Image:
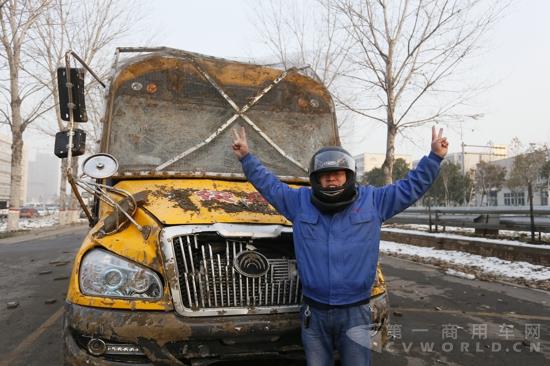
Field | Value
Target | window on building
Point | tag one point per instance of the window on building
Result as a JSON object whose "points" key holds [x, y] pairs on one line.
{"points": [[493, 198], [544, 198], [514, 199]]}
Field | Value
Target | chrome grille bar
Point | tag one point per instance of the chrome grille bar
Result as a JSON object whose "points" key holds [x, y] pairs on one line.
{"points": [[208, 278], [213, 276], [183, 255], [190, 255]]}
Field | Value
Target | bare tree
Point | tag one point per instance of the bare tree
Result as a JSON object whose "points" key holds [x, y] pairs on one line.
{"points": [[450, 187], [407, 56], [401, 66], [91, 29], [489, 177], [299, 36], [25, 100], [527, 171], [306, 33]]}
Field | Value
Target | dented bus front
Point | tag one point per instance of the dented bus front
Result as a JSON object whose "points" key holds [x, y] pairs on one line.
{"points": [[205, 270]]}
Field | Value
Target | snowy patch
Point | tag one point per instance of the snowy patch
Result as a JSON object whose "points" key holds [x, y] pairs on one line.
{"points": [[467, 276], [481, 267], [37, 222], [470, 238]]}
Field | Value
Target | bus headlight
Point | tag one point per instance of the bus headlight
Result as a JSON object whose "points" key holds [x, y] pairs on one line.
{"points": [[106, 274]]}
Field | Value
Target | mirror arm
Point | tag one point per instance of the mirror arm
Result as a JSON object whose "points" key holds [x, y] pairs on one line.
{"points": [[103, 196], [70, 87], [71, 102], [120, 192], [81, 61], [96, 188], [89, 215]]}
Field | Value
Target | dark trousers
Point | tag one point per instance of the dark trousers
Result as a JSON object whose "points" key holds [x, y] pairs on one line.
{"points": [[346, 329]]}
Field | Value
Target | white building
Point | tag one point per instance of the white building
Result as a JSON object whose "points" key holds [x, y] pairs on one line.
{"points": [[516, 197], [5, 171], [471, 155], [43, 179]]}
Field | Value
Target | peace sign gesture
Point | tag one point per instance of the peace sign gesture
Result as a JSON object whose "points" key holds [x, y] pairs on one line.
{"points": [[240, 144], [439, 143]]}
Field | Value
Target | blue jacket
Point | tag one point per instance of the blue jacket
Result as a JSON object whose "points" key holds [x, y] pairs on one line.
{"points": [[337, 254]]}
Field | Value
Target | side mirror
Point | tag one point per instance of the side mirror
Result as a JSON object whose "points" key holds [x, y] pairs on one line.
{"points": [[100, 166], [76, 87], [62, 143]]}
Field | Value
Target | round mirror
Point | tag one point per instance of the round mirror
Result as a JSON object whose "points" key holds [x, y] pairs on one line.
{"points": [[100, 166]]}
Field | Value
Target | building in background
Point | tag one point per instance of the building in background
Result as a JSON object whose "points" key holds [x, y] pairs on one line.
{"points": [[368, 161], [471, 155], [518, 196], [5, 171], [43, 179]]}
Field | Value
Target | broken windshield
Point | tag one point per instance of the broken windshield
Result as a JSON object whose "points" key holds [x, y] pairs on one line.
{"points": [[162, 105]]}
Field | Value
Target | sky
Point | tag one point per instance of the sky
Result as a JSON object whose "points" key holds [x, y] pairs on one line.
{"points": [[515, 59]]}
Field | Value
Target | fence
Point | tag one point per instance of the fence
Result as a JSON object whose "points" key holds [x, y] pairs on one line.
{"points": [[483, 219]]}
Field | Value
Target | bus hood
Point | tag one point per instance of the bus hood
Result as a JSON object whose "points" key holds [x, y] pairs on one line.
{"points": [[203, 201]]}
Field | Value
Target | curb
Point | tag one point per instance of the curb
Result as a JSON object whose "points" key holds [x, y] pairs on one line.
{"points": [[532, 255], [52, 231]]}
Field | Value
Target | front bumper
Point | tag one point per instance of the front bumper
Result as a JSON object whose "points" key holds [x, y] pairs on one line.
{"points": [[165, 338]]}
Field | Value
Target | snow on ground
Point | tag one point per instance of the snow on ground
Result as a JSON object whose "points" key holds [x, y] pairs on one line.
{"points": [[468, 276], [471, 238], [468, 265], [455, 263], [510, 234], [37, 222]]}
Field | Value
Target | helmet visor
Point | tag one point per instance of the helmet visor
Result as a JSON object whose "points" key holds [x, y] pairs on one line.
{"points": [[332, 160]]}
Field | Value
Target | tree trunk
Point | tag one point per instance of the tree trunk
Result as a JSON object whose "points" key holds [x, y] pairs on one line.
{"points": [[16, 146], [15, 181], [530, 195], [387, 167]]}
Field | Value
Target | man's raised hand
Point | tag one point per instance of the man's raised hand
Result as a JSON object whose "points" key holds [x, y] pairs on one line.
{"points": [[440, 144], [240, 145]]}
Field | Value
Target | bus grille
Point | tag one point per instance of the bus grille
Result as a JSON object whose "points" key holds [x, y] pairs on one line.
{"points": [[208, 277]]}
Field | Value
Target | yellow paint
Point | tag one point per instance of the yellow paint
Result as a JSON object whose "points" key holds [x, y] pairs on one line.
{"points": [[128, 243], [379, 284], [163, 201], [225, 72], [163, 204]]}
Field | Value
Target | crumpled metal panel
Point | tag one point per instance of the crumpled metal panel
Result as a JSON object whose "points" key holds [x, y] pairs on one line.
{"points": [[203, 201], [160, 106]]}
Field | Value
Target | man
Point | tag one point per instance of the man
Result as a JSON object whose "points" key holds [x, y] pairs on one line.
{"points": [[336, 231]]}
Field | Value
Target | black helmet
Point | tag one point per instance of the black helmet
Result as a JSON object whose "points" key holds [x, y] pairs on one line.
{"points": [[329, 159]]}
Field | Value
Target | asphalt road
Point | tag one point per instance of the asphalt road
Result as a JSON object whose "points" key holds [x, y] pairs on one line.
{"points": [[436, 319]]}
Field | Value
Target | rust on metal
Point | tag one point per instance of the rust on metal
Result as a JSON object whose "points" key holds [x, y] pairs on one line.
{"points": [[163, 328], [146, 130], [241, 201], [251, 202], [181, 197]]}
